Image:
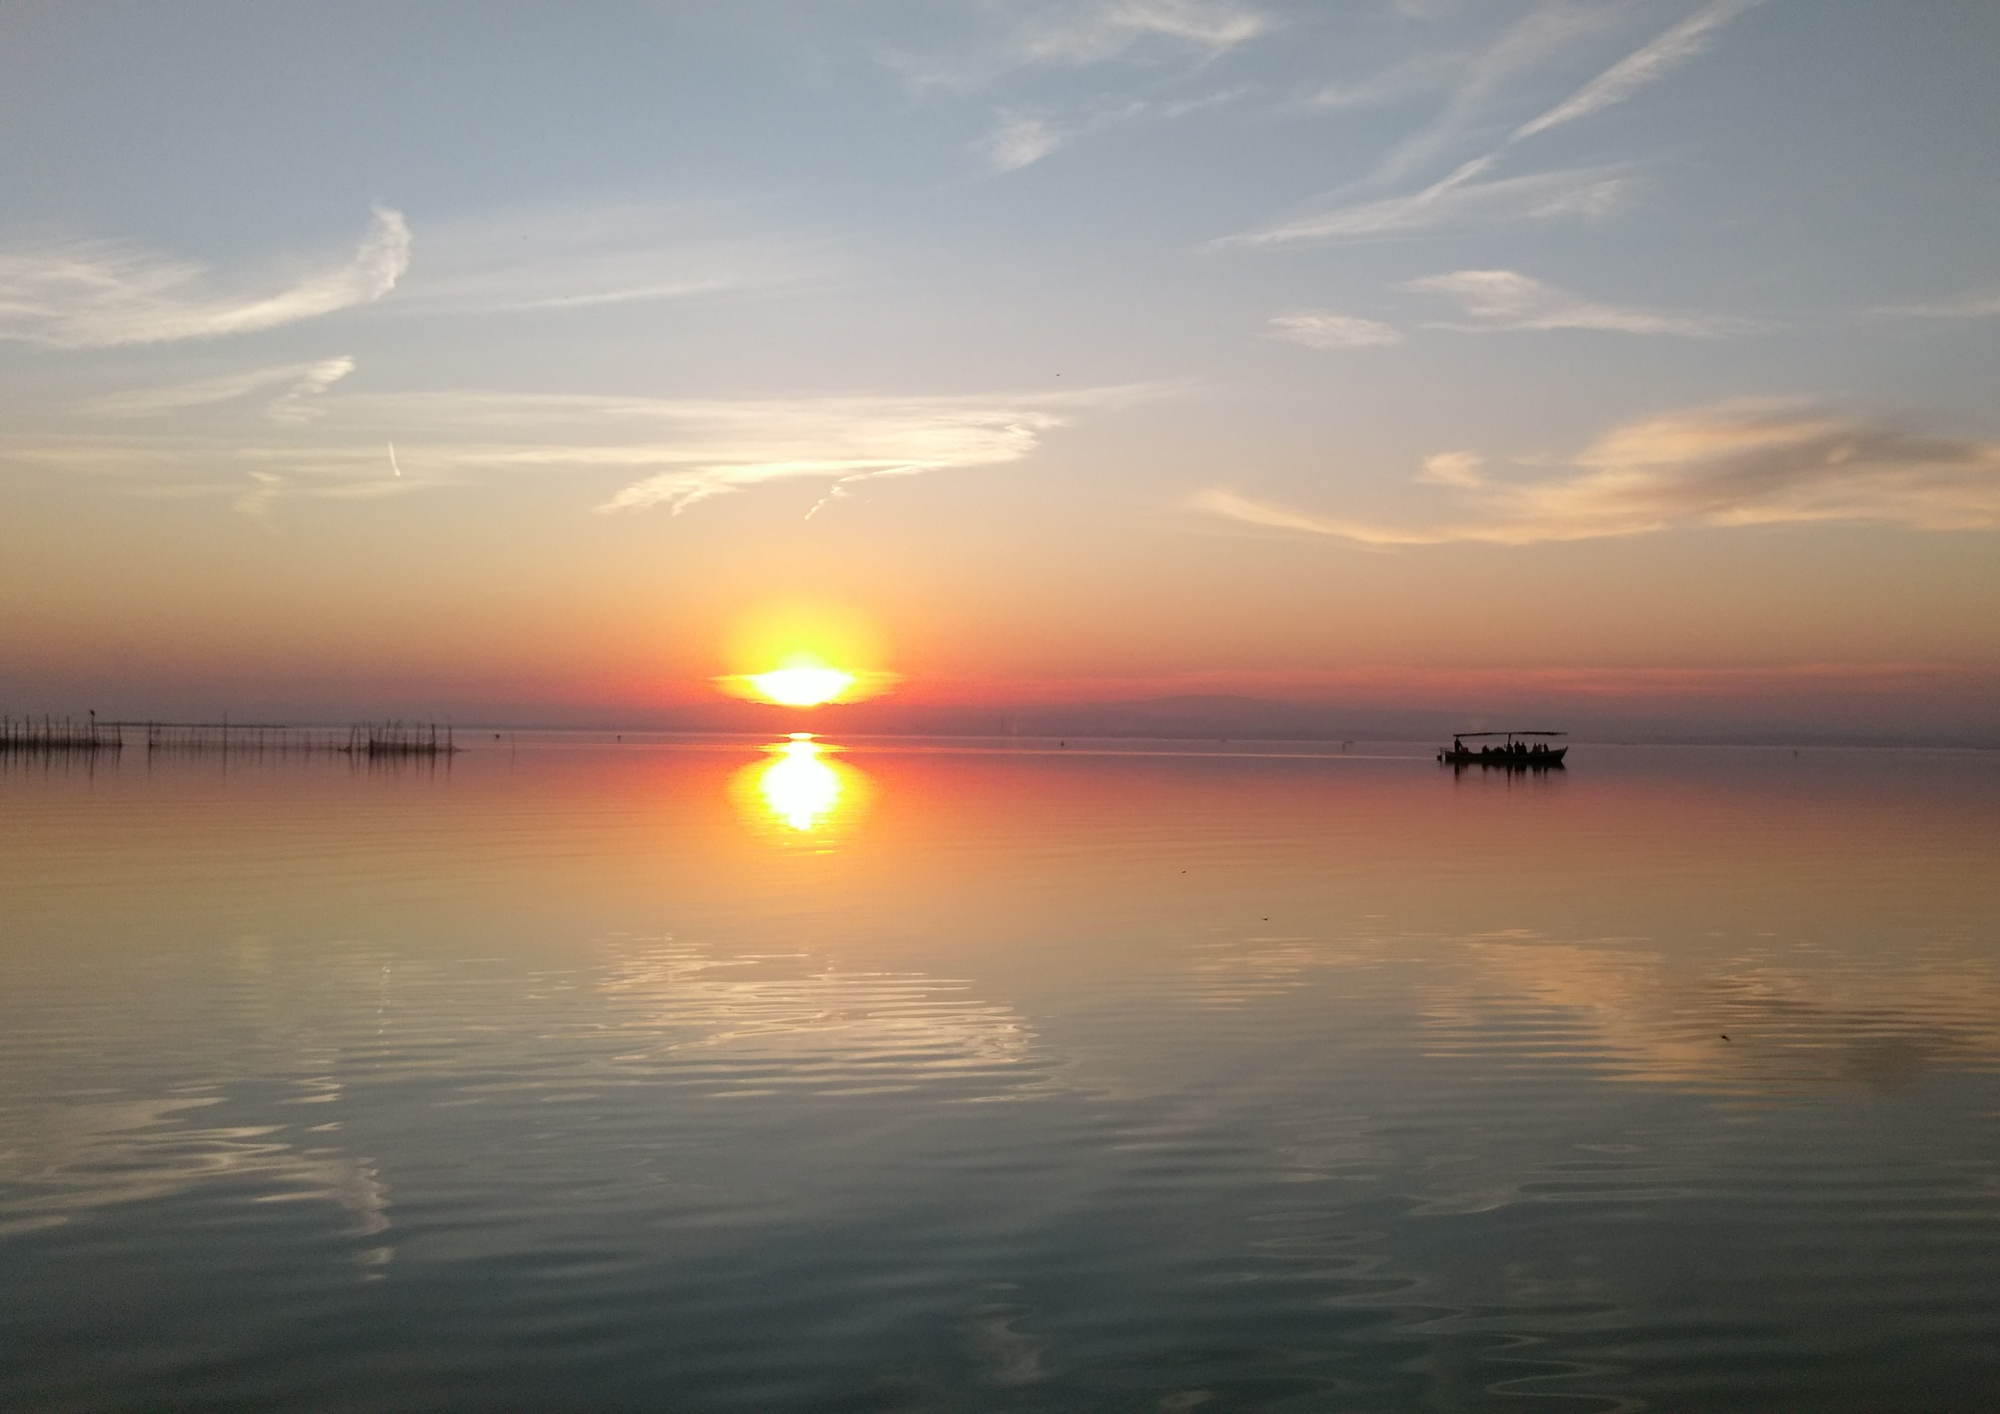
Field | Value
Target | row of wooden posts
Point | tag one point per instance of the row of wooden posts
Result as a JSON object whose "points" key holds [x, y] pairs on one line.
{"points": [[65, 734]]}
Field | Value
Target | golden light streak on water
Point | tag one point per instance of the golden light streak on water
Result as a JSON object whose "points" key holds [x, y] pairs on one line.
{"points": [[801, 787]]}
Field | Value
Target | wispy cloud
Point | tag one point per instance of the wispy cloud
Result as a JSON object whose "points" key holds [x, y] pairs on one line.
{"points": [[1584, 192], [1322, 329], [671, 453], [1019, 141], [258, 498], [1010, 35], [100, 295], [1095, 31], [1975, 304], [1230, 505], [296, 403], [1469, 193], [1744, 463], [1425, 73], [1502, 300], [1547, 33], [251, 476], [1479, 77], [1453, 469], [599, 256], [693, 451], [1644, 66], [720, 448], [301, 382]]}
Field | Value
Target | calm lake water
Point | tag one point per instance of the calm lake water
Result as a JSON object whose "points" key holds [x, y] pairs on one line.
{"points": [[698, 1076]]}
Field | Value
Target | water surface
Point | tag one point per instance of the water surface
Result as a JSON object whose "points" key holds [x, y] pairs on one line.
{"points": [[709, 1076]]}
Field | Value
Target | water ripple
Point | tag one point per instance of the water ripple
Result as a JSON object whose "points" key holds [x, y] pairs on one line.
{"points": [[768, 1023]]}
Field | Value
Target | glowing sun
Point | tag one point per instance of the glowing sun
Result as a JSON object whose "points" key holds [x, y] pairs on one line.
{"points": [[804, 655], [801, 680], [802, 686]]}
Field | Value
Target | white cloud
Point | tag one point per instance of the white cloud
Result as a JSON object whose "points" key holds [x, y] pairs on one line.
{"points": [[1320, 329], [588, 257], [263, 492], [1018, 142], [1454, 469], [301, 381], [1462, 196], [252, 476], [1976, 304], [1502, 300], [1484, 73], [1220, 501], [1644, 66], [697, 450], [672, 453], [722, 448], [1074, 33], [1546, 34], [1744, 463], [1099, 30], [100, 295], [1581, 193], [294, 405], [1422, 74], [1010, 35]]}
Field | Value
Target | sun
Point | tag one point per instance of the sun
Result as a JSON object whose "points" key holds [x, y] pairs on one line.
{"points": [[802, 686], [804, 655], [800, 680]]}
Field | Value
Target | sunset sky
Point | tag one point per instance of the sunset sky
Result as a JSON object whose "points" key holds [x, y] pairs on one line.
{"points": [[531, 363]]}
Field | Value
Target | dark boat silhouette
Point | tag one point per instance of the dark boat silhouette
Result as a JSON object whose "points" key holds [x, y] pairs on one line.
{"points": [[1516, 753]]}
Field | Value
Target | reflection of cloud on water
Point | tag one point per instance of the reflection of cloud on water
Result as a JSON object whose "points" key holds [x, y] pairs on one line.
{"points": [[760, 1024], [66, 1161], [1006, 1356], [1231, 973], [1621, 1009]]}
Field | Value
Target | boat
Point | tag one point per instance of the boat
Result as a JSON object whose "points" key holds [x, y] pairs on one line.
{"points": [[1518, 752]]}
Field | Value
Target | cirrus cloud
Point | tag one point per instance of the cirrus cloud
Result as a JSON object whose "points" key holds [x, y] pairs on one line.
{"points": [[721, 448], [98, 295], [1644, 66], [1095, 31], [1019, 141], [1323, 329], [300, 382], [1973, 304], [1743, 463], [1077, 34], [686, 451], [1574, 193], [1469, 194], [675, 453], [1503, 300]]}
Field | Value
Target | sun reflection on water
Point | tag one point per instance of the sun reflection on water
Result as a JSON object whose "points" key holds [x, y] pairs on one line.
{"points": [[801, 786]]}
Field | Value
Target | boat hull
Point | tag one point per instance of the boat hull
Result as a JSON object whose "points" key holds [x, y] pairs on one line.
{"points": [[1508, 760]]}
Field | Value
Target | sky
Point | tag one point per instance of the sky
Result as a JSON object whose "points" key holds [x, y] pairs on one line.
{"points": [[1631, 360]]}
